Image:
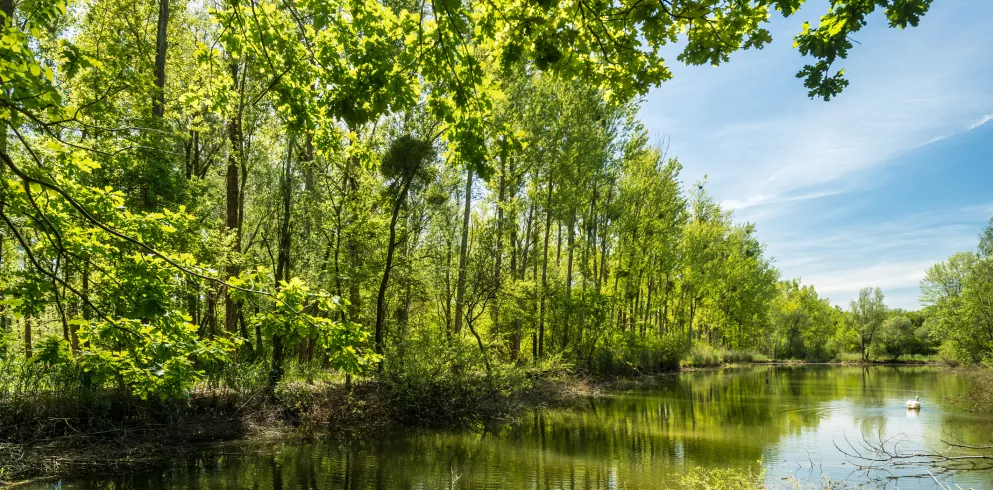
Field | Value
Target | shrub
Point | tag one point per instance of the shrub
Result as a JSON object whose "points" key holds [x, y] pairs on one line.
{"points": [[630, 353], [735, 356], [702, 355], [431, 381]]}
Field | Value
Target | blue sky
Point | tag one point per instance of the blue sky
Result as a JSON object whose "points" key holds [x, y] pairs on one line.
{"points": [[868, 189]]}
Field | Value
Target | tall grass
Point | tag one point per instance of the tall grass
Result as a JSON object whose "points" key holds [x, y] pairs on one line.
{"points": [[706, 355]]}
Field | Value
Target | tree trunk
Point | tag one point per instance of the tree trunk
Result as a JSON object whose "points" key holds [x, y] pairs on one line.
{"points": [[27, 337], [233, 207], [515, 341], [571, 237], [463, 248], [499, 246], [7, 7], [390, 251], [648, 305], [354, 257], [544, 273], [158, 98], [3, 309], [282, 261], [665, 308]]}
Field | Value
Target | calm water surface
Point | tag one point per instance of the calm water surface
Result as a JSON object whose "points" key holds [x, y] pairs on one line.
{"points": [[789, 418]]}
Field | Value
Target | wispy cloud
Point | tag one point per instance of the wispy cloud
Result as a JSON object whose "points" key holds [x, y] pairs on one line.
{"points": [[753, 130], [762, 200], [807, 172], [891, 255], [983, 120], [887, 275]]}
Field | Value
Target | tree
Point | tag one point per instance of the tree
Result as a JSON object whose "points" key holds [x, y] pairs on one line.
{"points": [[865, 317], [404, 166], [896, 336], [956, 294]]}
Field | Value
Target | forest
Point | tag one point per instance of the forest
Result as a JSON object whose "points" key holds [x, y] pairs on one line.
{"points": [[203, 195], [436, 197]]}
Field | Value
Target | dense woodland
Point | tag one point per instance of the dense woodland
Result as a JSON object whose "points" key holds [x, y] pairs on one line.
{"points": [[227, 193]]}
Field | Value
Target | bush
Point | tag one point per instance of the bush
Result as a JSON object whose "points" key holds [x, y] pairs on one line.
{"points": [[706, 355], [431, 381], [702, 355], [629, 353], [848, 357], [734, 356]]}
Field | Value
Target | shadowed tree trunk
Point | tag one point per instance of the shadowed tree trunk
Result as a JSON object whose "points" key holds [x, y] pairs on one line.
{"points": [[499, 246], [571, 237], [283, 261], [232, 308], [27, 337], [544, 273], [463, 247], [158, 98]]}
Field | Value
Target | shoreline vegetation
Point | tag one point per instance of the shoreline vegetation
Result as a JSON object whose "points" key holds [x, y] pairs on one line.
{"points": [[49, 436]]}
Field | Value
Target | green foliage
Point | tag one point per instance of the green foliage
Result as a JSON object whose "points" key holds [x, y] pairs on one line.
{"points": [[865, 317], [896, 337], [802, 323], [703, 355], [309, 152], [295, 313], [723, 479], [629, 353], [434, 383], [955, 295], [52, 351]]}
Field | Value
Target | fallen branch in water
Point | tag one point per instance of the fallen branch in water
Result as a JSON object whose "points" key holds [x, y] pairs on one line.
{"points": [[885, 454]]}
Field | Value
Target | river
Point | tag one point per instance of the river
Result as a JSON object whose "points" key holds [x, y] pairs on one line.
{"points": [[789, 420]]}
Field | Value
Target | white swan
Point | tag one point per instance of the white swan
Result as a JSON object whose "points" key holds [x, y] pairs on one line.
{"points": [[914, 404]]}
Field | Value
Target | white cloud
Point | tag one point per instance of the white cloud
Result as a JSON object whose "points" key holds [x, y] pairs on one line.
{"points": [[750, 126], [885, 275], [890, 255], [983, 120], [781, 160], [767, 199]]}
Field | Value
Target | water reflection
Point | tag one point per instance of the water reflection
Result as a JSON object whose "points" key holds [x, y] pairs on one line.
{"points": [[790, 418]]}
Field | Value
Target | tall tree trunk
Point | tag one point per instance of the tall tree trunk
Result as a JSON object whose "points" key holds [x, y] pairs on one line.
{"points": [[544, 272], [3, 309], [232, 308], [283, 260], [7, 7], [689, 328], [27, 337], [515, 341], [193, 155], [351, 246], [463, 248], [499, 245], [665, 307], [648, 305], [390, 251], [605, 233], [519, 273], [158, 98], [571, 237]]}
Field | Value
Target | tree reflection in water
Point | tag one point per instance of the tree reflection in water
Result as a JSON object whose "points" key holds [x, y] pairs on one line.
{"points": [[642, 436]]}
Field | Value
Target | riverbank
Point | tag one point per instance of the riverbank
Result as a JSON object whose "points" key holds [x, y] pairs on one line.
{"points": [[46, 436]]}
